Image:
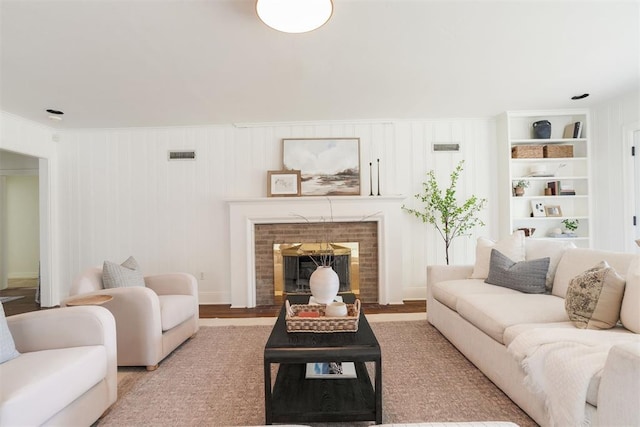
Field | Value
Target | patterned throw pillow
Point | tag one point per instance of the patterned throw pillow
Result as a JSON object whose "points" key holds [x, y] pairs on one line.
{"points": [[524, 276], [7, 346], [594, 298], [124, 275]]}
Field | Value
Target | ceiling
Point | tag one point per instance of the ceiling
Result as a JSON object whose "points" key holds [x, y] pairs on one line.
{"points": [[117, 63]]}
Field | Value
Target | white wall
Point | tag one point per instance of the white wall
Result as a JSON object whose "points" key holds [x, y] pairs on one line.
{"points": [[23, 236], [612, 160], [119, 195]]}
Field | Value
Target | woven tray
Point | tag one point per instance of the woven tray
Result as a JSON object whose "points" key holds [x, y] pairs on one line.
{"points": [[322, 324]]}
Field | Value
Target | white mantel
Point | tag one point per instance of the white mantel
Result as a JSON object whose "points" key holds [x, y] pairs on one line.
{"points": [[245, 213]]}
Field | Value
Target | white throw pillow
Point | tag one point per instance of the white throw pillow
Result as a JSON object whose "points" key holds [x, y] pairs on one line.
{"points": [[536, 249], [512, 247], [7, 345], [629, 312]]}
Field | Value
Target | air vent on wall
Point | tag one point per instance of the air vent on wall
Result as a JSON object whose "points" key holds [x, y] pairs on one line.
{"points": [[446, 147], [182, 155]]}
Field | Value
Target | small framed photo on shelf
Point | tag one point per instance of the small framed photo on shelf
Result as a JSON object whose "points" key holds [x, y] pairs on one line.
{"points": [[285, 183], [553, 210], [538, 208]]}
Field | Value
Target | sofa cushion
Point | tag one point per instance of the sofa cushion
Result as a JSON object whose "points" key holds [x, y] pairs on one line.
{"points": [[512, 247], [594, 298], [7, 345], [492, 314], [525, 276], [449, 291], [175, 309], [538, 248], [37, 385], [124, 275], [629, 312], [575, 261]]}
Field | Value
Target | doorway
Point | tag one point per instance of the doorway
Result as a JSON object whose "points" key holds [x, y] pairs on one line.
{"points": [[19, 221]]}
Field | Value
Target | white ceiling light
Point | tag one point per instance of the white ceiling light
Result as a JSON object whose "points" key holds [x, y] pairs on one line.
{"points": [[294, 16]]}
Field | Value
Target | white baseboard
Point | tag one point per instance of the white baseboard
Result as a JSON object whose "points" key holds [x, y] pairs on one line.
{"points": [[23, 275], [415, 293]]}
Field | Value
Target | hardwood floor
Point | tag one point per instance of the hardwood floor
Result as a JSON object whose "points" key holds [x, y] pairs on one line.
{"points": [[27, 303]]}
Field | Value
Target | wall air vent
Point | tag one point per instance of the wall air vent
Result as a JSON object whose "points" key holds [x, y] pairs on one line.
{"points": [[446, 147], [182, 155]]}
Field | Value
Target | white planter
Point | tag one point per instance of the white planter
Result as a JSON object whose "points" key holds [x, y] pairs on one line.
{"points": [[324, 284]]}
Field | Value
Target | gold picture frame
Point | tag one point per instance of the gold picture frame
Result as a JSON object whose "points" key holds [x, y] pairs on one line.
{"points": [[284, 183], [553, 210]]}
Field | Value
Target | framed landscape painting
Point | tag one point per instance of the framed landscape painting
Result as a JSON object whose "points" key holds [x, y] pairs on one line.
{"points": [[328, 166]]}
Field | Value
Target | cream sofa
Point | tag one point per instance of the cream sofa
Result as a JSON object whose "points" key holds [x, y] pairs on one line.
{"points": [[483, 320], [66, 373], [151, 320]]}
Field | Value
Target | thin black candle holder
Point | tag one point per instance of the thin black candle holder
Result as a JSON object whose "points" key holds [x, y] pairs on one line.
{"points": [[378, 176], [370, 179]]}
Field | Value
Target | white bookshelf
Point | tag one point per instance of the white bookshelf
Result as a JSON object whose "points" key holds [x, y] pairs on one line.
{"points": [[515, 128]]}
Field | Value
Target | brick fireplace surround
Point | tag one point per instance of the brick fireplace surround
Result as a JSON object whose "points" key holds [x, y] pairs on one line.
{"points": [[363, 232], [247, 216]]}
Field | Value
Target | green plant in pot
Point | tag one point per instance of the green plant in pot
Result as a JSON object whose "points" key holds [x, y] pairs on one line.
{"points": [[570, 225], [519, 187], [441, 208]]}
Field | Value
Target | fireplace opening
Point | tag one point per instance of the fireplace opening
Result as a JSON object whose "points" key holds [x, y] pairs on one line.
{"points": [[293, 264]]}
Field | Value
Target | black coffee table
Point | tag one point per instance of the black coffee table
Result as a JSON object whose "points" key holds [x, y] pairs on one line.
{"points": [[293, 398]]}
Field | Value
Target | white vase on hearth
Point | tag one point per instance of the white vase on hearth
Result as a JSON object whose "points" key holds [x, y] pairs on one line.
{"points": [[324, 284]]}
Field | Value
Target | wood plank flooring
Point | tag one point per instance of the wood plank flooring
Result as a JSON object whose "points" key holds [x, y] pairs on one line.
{"points": [[28, 303]]}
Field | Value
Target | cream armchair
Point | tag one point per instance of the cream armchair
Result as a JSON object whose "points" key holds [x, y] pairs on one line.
{"points": [[66, 373], [151, 321]]}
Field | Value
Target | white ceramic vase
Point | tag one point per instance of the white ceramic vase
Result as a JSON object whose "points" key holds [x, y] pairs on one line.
{"points": [[324, 284]]}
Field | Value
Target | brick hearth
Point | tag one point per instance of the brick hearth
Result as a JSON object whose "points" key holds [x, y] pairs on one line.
{"points": [[363, 232]]}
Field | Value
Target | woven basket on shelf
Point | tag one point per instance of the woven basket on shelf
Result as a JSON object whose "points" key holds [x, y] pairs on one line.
{"points": [[321, 324], [527, 152], [556, 151]]}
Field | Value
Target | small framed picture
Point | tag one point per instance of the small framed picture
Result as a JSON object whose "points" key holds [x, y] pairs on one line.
{"points": [[553, 210], [283, 183], [538, 208]]}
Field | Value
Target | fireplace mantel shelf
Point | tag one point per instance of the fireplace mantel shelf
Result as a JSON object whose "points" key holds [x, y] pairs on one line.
{"points": [[319, 198]]}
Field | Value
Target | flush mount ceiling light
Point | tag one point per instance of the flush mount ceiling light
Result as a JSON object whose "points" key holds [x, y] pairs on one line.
{"points": [[294, 16]]}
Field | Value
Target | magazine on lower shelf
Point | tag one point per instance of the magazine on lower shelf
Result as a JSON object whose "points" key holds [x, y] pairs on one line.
{"points": [[331, 370]]}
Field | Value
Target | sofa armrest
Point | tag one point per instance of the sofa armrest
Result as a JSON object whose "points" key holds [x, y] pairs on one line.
{"points": [[620, 387], [173, 284], [440, 273], [63, 328]]}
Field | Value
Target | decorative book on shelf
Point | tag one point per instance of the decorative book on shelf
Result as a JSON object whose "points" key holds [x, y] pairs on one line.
{"points": [[331, 370], [573, 130]]}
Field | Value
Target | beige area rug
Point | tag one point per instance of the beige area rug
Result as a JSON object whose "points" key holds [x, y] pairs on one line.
{"points": [[216, 379]]}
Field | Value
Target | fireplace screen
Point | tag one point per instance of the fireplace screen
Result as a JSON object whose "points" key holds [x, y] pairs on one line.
{"points": [[294, 263]]}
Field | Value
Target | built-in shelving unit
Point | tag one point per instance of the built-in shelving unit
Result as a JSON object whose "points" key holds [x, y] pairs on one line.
{"points": [[571, 170]]}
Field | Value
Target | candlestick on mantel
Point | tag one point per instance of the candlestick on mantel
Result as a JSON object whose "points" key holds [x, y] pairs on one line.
{"points": [[370, 179], [378, 176]]}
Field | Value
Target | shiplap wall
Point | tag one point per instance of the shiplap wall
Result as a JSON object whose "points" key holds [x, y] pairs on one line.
{"points": [[119, 195], [612, 171]]}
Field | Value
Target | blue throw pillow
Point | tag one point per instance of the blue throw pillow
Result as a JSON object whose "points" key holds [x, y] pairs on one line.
{"points": [[524, 276]]}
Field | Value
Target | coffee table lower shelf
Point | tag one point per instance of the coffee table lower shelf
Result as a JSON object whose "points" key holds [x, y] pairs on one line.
{"points": [[296, 398]]}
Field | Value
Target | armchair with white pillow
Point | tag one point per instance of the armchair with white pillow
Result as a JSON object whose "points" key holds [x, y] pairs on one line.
{"points": [[154, 314], [57, 367]]}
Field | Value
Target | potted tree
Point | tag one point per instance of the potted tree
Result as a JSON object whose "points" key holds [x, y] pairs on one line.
{"points": [[443, 211]]}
